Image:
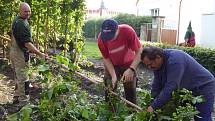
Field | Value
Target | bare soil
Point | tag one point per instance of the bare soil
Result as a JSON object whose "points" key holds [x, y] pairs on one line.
{"points": [[7, 86], [95, 71]]}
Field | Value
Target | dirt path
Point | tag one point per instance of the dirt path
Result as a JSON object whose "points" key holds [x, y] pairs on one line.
{"points": [[6, 89], [6, 83], [144, 75]]}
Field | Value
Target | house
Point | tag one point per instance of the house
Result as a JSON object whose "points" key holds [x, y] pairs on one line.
{"points": [[99, 9], [177, 14], [208, 29]]}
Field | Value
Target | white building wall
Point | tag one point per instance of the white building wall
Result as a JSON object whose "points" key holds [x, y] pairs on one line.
{"points": [[208, 29], [191, 10]]}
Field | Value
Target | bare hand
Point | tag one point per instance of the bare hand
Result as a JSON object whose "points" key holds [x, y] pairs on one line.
{"points": [[150, 109], [43, 56], [114, 82], [128, 75]]}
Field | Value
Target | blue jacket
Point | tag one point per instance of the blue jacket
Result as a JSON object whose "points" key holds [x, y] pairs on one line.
{"points": [[180, 70]]}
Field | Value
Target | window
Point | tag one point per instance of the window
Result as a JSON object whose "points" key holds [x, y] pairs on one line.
{"points": [[155, 12]]}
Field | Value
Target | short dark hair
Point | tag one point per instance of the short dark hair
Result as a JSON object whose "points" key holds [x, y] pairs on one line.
{"points": [[151, 52]]}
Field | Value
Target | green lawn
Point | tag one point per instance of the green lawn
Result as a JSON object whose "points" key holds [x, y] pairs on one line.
{"points": [[91, 50]]}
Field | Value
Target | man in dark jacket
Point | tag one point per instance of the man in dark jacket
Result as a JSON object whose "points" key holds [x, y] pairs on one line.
{"points": [[175, 69]]}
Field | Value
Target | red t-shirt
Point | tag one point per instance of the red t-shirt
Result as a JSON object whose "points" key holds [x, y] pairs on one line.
{"points": [[121, 51]]}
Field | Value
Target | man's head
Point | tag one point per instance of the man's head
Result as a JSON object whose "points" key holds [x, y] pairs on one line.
{"points": [[152, 57], [24, 11], [109, 30]]}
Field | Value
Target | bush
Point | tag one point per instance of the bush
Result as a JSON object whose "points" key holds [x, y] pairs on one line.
{"points": [[92, 27]]}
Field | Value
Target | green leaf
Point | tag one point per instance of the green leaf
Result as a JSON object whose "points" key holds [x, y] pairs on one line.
{"points": [[69, 86], [26, 112], [12, 117], [62, 60], [50, 93], [129, 118], [85, 114], [42, 68]]}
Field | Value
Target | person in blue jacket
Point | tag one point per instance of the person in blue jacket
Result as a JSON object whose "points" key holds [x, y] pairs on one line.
{"points": [[175, 69]]}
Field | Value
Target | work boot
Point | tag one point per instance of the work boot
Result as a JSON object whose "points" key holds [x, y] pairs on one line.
{"points": [[24, 98], [27, 88], [20, 99], [15, 100]]}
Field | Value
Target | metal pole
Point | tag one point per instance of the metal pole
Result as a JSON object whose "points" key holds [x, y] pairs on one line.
{"points": [[179, 18]]}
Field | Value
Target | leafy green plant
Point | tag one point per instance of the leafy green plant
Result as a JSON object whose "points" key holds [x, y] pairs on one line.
{"points": [[23, 115], [184, 113], [180, 107]]}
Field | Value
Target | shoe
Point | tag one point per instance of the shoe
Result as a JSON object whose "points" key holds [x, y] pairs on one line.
{"points": [[18, 99], [34, 86], [23, 103], [27, 88], [15, 100], [24, 98]]}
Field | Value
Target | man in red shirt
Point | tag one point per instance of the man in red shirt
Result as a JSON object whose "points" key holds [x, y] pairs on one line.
{"points": [[121, 50]]}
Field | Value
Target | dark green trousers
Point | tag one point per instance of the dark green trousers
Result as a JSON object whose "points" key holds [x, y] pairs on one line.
{"points": [[129, 87]]}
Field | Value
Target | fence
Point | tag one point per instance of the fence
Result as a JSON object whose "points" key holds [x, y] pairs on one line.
{"points": [[166, 36]]}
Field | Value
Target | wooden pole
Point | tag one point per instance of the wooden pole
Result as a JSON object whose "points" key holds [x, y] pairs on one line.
{"points": [[179, 19], [138, 109]]}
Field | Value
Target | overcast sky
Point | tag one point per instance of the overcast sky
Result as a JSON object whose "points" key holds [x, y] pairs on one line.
{"points": [[114, 5]]}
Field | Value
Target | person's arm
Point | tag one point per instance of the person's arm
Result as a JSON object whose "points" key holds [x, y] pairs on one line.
{"points": [[130, 72], [133, 44], [174, 76], [137, 58], [23, 35], [156, 85], [33, 49], [108, 64]]}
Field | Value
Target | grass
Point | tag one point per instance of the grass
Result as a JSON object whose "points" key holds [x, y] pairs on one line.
{"points": [[91, 50]]}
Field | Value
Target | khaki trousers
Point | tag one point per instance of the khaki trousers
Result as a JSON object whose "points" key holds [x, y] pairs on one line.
{"points": [[20, 68]]}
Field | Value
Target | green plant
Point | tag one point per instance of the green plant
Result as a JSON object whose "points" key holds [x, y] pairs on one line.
{"points": [[180, 107], [23, 115]]}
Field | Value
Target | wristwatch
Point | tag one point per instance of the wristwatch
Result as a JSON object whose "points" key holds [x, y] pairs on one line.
{"points": [[132, 69]]}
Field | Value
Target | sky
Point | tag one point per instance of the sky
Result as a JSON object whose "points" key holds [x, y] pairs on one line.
{"points": [[127, 6]]}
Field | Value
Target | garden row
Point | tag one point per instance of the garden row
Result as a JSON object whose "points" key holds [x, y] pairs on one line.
{"points": [[65, 98]]}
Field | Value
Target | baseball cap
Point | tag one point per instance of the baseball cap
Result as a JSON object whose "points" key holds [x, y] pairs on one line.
{"points": [[109, 28]]}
